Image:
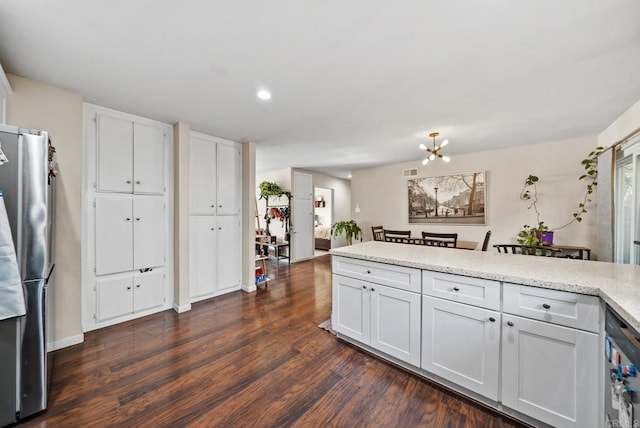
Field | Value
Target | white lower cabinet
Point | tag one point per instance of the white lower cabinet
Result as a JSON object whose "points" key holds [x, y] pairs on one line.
{"points": [[549, 372], [125, 294], [214, 256], [461, 343], [385, 318]]}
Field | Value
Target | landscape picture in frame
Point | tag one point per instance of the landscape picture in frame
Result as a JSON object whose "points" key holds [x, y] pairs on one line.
{"points": [[449, 199]]}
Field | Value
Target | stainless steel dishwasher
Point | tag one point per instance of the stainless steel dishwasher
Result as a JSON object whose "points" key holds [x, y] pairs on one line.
{"points": [[622, 384]]}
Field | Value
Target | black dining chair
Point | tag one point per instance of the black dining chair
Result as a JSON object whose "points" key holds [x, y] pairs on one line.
{"points": [[440, 239], [485, 243], [398, 236], [377, 232], [527, 250]]}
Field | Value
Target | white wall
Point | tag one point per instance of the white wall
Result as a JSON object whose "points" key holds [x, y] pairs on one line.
{"points": [[381, 192], [40, 106]]}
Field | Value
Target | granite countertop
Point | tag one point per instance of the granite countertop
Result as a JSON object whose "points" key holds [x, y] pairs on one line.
{"points": [[617, 284]]}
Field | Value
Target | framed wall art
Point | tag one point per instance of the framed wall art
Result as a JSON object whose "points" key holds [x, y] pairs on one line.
{"points": [[449, 199]]}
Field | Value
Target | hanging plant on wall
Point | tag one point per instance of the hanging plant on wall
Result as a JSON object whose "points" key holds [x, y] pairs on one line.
{"points": [[540, 234], [267, 189]]}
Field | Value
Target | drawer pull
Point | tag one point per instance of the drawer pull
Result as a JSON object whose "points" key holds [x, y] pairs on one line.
{"points": [[368, 271], [510, 323], [456, 289], [492, 319], [546, 306]]}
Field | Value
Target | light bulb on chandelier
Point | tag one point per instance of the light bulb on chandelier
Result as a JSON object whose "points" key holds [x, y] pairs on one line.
{"points": [[433, 152]]}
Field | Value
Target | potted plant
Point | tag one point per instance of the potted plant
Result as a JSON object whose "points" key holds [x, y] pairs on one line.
{"points": [[349, 228], [268, 188], [541, 234]]}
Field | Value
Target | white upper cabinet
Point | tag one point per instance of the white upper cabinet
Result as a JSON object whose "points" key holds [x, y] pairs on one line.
{"points": [[214, 176], [228, 179], [302, 185], [202, 181], [130, 156], [148, 155], [115, 154]]}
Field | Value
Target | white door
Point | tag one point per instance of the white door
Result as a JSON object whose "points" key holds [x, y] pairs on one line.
{"points": [[302, 237], [148, 290], [461, 343], [114, 235], [148, 232], [302, 185], [351, 308], [202, 176], [228, 179], [228, 254], [114, 297], [202, 256], [115, 154], [395, 323], [148, 156], [550, 372]]}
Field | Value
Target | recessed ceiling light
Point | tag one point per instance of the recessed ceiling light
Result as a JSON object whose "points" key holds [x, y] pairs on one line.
{"points": [[263, 94], [349, 175]]}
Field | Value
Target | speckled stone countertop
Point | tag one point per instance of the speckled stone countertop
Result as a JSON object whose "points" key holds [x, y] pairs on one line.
{"points": [[618, 285]]}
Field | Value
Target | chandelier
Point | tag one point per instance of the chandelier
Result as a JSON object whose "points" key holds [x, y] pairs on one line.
{"points": [[432, 153]]}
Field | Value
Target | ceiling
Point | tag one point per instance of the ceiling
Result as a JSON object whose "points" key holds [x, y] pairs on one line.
{"points": [[355, 83]]}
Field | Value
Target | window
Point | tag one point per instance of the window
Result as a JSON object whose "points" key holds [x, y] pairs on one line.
{"points": [[627, 205]]}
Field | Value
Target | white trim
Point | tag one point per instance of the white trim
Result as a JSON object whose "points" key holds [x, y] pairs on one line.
{"points": [[182, 308], [5, 86], [249, 288], [65, 343]]}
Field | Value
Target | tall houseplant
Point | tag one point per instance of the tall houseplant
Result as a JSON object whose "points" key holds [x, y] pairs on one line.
{"points": [[540, 233], [349, 228]]}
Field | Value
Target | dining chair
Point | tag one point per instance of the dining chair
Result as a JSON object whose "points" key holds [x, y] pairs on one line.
{"points": [[377, 232], [527, 250], [398, 236], [485, 243], [440, 239]]}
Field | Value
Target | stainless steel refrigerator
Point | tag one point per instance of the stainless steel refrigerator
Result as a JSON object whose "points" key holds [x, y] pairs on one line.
{"points": [[27, 183]]}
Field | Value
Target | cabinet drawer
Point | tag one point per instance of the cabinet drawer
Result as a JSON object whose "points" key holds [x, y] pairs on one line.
{"points": [[558, 307], [380, 273], [473, 291]]}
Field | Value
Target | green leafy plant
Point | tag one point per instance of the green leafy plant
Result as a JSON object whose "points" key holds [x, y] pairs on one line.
{"points": [[532, 235], [349, 228], [268, 188]]}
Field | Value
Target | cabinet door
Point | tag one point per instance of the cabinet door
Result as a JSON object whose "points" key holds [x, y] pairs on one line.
{"points": [[114, 297], [351, 308], [148, 232], [114, 236], [115, 154], [148, 290], [550, 372], [202, 256], [461, 343], [302, 245], [229, 254], [148, 156], [395, 323], [228, 179], [202, 176]]}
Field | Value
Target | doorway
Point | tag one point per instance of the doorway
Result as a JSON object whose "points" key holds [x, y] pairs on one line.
{"points": [[323, 205]]}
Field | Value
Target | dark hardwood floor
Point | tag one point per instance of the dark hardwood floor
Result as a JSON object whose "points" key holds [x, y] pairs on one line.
{"points": [[243, 359]]}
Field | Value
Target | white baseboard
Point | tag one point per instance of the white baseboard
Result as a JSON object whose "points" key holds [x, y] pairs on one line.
{"points": [[65, 343], [182, 308], [249, 288]]}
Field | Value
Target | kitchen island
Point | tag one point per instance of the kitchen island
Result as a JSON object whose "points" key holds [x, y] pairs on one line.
{"points": [[520, 334]]}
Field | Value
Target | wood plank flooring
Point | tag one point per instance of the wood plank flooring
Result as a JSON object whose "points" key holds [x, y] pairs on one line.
{"points": [[243, 359]]}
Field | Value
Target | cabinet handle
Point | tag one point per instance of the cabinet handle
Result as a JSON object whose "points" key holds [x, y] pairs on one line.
{"points": [[546, 306], [129, 287], [220, 228], [213, 228], [364, 286], [137, 285], [456, 289], [137, 181], [137, 218], [213, 206], [372, 289], [128, 181], [510, 323], [368, 271], [128, 218], [492, 319]]}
